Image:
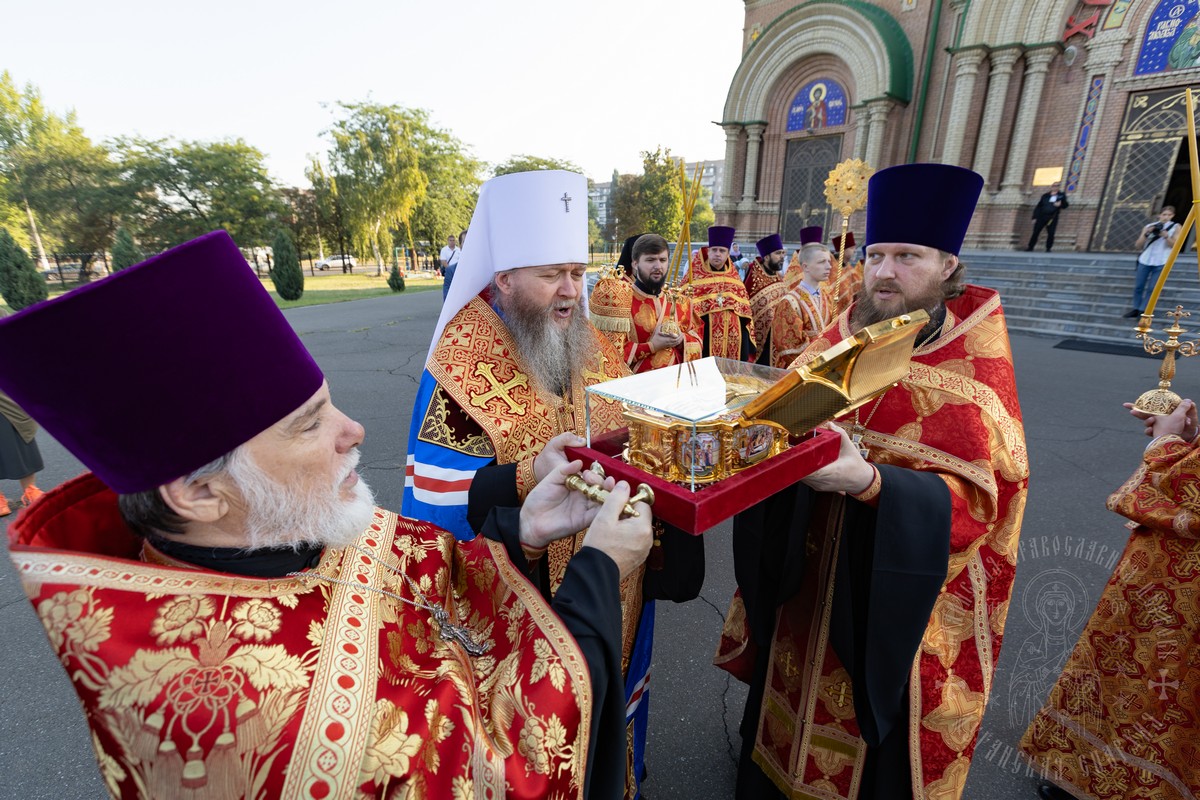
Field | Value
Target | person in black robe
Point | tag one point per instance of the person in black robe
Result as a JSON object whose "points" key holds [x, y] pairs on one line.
{"points": [[884, 544], [770, 543]]}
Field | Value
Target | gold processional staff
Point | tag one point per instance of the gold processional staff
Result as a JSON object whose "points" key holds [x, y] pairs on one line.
{"points": [[1162, 400], [846, 191]]}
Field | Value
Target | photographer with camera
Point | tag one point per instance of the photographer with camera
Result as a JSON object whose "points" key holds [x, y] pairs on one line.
{"points": [[1156, 240]]}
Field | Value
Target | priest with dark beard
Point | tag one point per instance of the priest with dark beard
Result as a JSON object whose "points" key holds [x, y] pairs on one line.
{"points": [[503, 393], [766, 287], [872, 596], [651, 344]]}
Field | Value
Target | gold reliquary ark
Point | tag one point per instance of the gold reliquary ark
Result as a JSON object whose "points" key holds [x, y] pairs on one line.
{"points": [[710, 419]]}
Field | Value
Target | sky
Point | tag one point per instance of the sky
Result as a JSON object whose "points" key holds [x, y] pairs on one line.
{"points": [[595, 83]]}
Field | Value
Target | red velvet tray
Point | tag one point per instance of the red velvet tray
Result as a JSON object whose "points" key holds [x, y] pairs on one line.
{"points": [[696, 512]]}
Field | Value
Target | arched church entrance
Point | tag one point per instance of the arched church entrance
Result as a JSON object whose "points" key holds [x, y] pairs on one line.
{"points": [[807, 164], [1149, 168]]}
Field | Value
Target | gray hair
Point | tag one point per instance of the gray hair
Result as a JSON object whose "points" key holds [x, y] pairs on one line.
{"points": [[148, 514]]}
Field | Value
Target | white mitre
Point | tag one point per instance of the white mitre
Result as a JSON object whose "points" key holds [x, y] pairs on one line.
{"points": [[524, 219]]}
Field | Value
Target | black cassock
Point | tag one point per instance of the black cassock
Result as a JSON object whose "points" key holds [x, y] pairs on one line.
{"points": [[897, 556], [584, 601]]}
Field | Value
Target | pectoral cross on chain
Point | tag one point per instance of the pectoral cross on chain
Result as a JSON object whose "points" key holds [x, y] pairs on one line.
{"points": [[449, 632], [566, 201], [856, 436]]}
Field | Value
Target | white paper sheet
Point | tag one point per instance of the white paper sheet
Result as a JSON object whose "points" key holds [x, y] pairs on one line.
{"points": [[690, 394]]}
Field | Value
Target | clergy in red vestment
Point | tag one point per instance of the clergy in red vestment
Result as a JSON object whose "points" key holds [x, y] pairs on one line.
{"points": [[663, 330], [719, 298], [813, 234], [765, 285], [802, 312], [872, 596], [239, 619], [1123, 720]]}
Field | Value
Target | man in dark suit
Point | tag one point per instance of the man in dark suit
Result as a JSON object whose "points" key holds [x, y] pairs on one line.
{"points": [[1045, 215]]}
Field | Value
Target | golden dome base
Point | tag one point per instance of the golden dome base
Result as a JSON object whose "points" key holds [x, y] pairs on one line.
{"points": [[1157, 402]]}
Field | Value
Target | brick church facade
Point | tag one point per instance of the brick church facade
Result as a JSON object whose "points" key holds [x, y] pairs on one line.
{"points": [[1092, 90]]}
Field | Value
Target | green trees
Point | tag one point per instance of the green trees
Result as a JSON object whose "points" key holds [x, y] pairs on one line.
{"points": [[186, 189], [660, 193], [653, 201], [526, 163], [454, 178], [286, 273], [702, 215], [12, 258], [20, 283], [124, 252], [395, 279], [375, 163], [626, 209], [68, 188]]}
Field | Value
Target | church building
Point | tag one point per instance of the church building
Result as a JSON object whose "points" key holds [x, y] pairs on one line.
{"points": [[1084, 94]]}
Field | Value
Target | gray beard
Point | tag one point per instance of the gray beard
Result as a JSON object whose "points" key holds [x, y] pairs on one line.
{"points": [[553, 357], [281, 516]]}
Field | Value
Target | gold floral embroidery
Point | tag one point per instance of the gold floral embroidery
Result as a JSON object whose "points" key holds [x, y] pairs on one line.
{"points": [[435, 430], [547, 663], [92, 631], [950, 785], [422, 636], [541, 741], [988, 339], [999, 617], [316, 633], [461, 788], [950, 625], [255, 619], [392, 747], [62, 611], [515, 619], [440, 727], [181, 619], [110, 768]]}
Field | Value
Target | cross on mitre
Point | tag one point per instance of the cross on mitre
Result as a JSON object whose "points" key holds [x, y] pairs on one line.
{"points": [[566, 201]]}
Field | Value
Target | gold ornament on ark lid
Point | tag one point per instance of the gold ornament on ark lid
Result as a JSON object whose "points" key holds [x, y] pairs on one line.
{"points": [[846, 191], [753, 412]]}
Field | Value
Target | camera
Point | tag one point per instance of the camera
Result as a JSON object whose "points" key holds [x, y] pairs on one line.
{"points": [[1154, 234]]}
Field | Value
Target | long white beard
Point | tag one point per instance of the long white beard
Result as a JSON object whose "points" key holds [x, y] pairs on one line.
{"points": [[280, 516]]}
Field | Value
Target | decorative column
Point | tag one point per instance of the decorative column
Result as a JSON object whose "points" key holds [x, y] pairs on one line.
{"points": [[754, 132], [733, 132], [1105, 52], [1037, 64], [993, 111], [861, 120], [966, 64], [877, 110]]}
